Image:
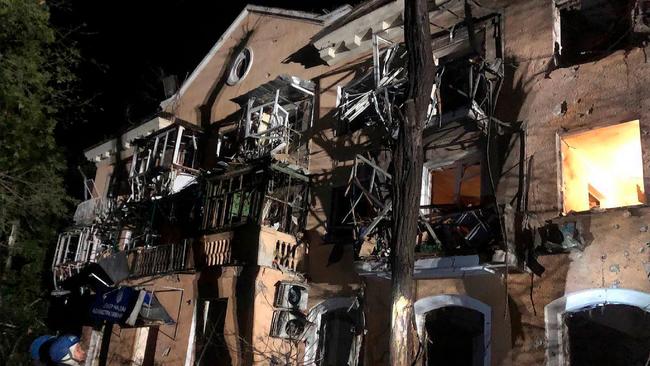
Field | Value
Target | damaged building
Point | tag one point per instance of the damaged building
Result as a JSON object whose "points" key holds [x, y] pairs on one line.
{"points": [[249, 222]]}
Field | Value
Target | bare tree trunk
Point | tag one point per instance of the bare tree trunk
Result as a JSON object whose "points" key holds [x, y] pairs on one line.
{"points": [[11, 243], [407, 180]]}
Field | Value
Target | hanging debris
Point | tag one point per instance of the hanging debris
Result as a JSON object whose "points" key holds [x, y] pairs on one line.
{"points": [[276, 116], [441, 229], [369, 192], [467, 82], [76, 248], [165, 163]]}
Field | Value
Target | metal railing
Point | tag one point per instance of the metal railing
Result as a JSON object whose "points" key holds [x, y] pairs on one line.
{"points": [[160, 259]]}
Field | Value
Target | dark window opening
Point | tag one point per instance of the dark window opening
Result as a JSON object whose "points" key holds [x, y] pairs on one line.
{"points": [[227, 145], [336, 337], [338, 229], [455, 84], [188, 151], [609, 335], [211, 347], [455, 337], [591, 29]]}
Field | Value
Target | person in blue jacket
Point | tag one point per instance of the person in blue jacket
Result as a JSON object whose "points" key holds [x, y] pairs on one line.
{"points": [[66, 350], [40, 350]]}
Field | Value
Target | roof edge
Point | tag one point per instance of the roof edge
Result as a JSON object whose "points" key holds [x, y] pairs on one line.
{"points": [[217, 46], [287, 13]]}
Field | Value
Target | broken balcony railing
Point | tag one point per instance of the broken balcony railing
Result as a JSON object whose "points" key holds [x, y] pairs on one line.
{"points": [[76, 248], [165, 163], [272, 196], [92, 210], [455, 231], [368, 191], [276, 114], [468, 76]]}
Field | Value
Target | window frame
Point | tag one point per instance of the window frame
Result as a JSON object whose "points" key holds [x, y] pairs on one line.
{"points": [[459, 166], [560, 134]]}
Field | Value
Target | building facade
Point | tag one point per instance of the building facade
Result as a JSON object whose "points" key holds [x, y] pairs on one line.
{"points": [[254, 212]]}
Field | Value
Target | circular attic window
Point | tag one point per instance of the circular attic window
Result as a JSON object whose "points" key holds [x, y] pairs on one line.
{"points": [[240, 68]]}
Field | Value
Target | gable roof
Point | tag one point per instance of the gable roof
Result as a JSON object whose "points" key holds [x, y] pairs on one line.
{"points": [[284, 13]]}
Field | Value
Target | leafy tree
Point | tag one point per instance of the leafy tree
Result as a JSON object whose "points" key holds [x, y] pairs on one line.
{"points": [[35, 78]]}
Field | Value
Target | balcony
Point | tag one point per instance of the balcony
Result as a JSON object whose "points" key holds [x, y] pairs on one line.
{"points": [[265, 194], [165, 163], [89, 211], [160, 259], [216, 250], [75, 249], [277, 249], [276, 115], [251, 244]]}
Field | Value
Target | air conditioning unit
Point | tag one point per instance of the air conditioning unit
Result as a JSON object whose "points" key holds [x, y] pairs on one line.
{"points": [[288, 324], [291, 295]]}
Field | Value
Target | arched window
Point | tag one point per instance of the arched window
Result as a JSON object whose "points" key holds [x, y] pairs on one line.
{"points": [[598, 327]]}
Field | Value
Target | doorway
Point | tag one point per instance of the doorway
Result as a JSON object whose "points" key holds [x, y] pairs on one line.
{"points": [[454, 337]]}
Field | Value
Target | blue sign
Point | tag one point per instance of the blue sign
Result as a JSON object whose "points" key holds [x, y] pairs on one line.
{"points": [[115, 306]]}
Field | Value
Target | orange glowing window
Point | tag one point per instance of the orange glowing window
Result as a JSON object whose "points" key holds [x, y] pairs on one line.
{"points": [[458, 184], [602, 168]]}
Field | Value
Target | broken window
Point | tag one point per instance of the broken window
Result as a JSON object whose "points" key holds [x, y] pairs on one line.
{"points": [[586, 30], [458, 185], [165, 163], [469, 72], [275, 116], [369, 194], [463, 232], [232, 199], [76, 248], [272, 196], [458, 223], [602, 168], [340, 223], [285, 200]]}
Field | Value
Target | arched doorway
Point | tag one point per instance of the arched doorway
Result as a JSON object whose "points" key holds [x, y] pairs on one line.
{"points": [[334, 338], [598, 327], [455, 330]]}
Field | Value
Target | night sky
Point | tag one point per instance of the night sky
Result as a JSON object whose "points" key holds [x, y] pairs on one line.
{"points": [[128, 46]]}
